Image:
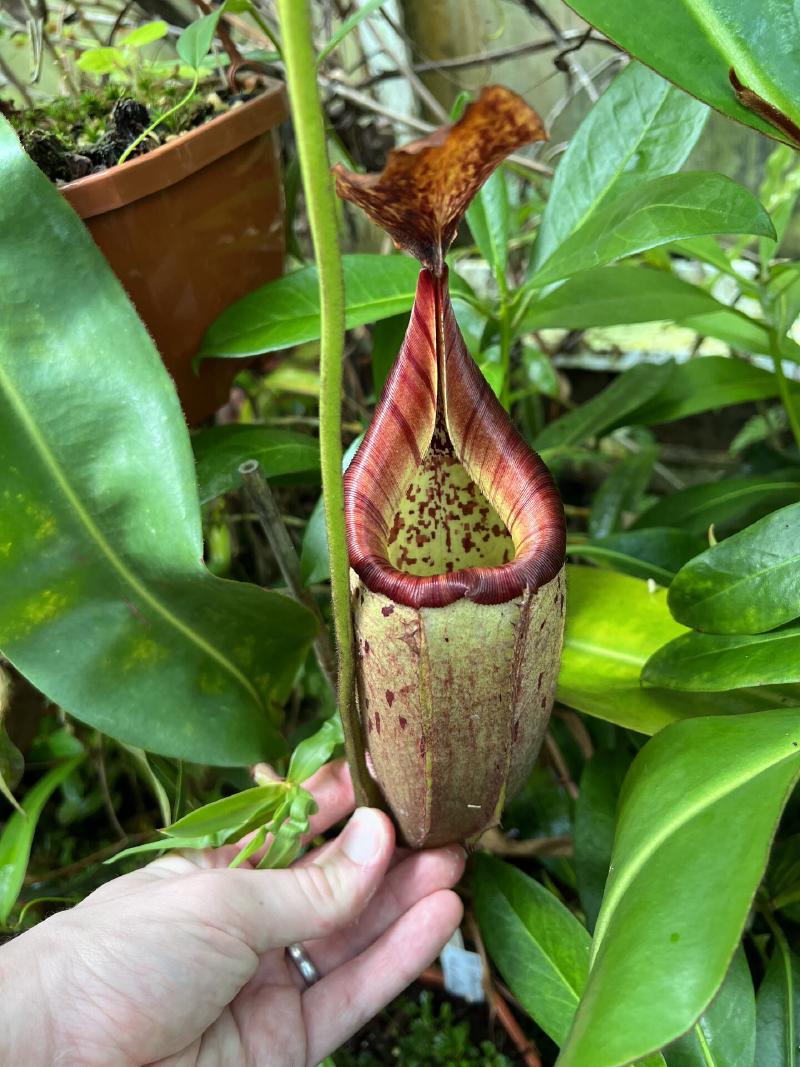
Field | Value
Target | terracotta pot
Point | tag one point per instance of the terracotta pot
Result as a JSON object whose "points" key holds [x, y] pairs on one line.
{"points": [[189, 228]]}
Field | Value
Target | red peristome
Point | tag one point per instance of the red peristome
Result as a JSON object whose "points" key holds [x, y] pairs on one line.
{"points": [[434, 378]]}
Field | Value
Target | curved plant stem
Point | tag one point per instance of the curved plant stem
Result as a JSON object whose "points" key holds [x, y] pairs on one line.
{"points": [[783, 387], [309, 128], [146, 133]]}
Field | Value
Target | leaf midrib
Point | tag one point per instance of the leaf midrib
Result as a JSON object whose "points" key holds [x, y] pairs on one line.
{"points": [[95, 534], [657, 839], [750, 576]]}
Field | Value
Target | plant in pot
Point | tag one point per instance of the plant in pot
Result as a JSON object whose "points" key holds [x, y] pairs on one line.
{"points": [[189, 216]]}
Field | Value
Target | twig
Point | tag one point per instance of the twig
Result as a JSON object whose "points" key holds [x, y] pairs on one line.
{"points": [[263, 502], [560, 765], [60, 873], [500, 845], [13, 80], [576, 726]]}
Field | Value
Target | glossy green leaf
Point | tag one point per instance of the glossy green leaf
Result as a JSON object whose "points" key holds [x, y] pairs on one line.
{"points": [[227, 819], [695, 43], [614, 624], [17, 836], [288, 828], [613, 407], [778, 1011], [748, 583], [729, 503], [286, 312], [657, 553], [104, 602], [654, 212], [314, 563], [714, 662], [681, 884], [194, 43], [706, 384], [488, 221], [220, 450], [620, 493], [622, 293], [536, 943], [387, 339], [725, 1034], [641, 126], [101, 61], [595, 821], [316, 750]]}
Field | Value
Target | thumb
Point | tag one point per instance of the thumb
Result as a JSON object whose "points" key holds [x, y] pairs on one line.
{"points": [[310, 901]]}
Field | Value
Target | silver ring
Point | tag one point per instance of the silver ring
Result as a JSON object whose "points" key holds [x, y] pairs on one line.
{"points": [[304, 964]]}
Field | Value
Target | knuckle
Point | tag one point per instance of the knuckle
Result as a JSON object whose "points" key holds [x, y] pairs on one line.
{"points": [[321, 892]]}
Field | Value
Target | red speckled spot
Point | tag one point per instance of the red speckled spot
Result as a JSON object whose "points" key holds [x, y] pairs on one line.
{"points": [[387, 610], [403, 722], [377, 722], [389, 697]]}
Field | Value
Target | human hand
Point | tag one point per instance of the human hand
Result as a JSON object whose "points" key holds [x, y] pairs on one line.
{"points": [[183, 962]]}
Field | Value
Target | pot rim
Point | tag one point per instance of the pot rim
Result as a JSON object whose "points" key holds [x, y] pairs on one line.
{"points": [[170, 163]]}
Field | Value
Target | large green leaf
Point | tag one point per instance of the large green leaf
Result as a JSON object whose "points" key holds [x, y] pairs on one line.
{"points": [[655, 211], [621, 492], [614, 624], [778, 1011], [641, 126], [709, 383], [488, 221], [104, 600], [219, 451], [595, 822], [729, 503], [539, 947], [681, 884], [657, 553], [748, 583], [725, 1034], [613, 407], [17, 836], [286, 312], [695, 43], [714, 662]]}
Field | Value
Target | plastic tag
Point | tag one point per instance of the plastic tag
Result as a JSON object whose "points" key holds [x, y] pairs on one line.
{"points": [[462, 970]]}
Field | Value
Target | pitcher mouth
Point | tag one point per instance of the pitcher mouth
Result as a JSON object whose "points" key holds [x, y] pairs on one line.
{"points": [[444, 499]]}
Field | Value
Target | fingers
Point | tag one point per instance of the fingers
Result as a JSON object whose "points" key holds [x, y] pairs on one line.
{"points": [[340, 1004], [270, 909], [415, 877]]}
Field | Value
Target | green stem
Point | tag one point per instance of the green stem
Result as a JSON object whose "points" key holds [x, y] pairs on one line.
{"points": [[783, 386], [265, 28], [309, 128], [504, 317], [176, 107]]}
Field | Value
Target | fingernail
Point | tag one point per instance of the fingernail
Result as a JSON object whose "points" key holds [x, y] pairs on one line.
{"points": [[363, 836]]}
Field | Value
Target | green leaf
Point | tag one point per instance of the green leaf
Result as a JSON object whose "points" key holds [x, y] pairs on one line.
{"points": [[641, 126], [17, 836], [614, 624], [146, 34], [714, 662], [609, 296], [194, 43], [104, 602], [488, 221], [101, 61], [706, 384], [778, 1011], [681, 884], [220, 450], [728, 503], [314, 563], [387, 338], [620, 493], [607, 410], [595, 820], [286, 312], [369, 7], [657, 553], [539, 947], [316, 750], [725, 1034], [695, 43], [231, 817], [288, 829], [748, 583], [654, 212]]}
